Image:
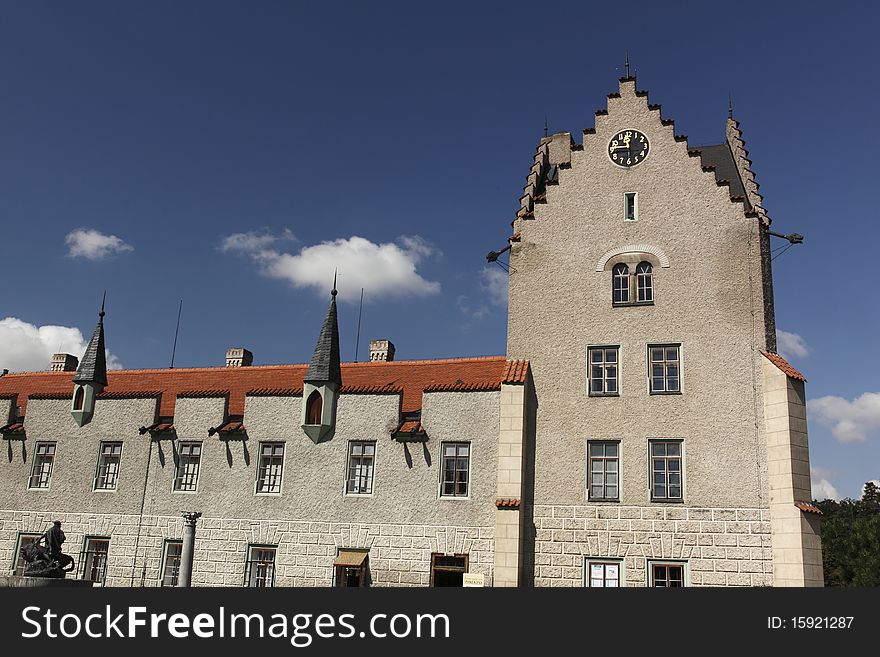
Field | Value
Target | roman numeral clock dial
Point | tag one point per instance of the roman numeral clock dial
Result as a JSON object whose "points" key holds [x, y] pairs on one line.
{"points": [[628, 148]]}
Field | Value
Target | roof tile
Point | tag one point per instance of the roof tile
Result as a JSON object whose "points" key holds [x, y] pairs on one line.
{"points": [[784, 365]]}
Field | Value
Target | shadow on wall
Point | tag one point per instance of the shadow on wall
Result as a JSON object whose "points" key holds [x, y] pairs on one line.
{"points": [[528, 501]]}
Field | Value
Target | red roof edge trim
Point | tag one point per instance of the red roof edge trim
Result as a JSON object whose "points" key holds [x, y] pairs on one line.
{"points": [[806, 507], [51, 395], [507, 503], [784, 365], [110, 394], [474, 386], [275, 392], [202, 393], [515, 372], [371, 390]]}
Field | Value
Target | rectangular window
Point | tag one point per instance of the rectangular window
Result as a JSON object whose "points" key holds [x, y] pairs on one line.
{"points": [[448, 570], [604, 464], [260, 568], [603, 371], [630, 206], [93, 560], [269, 468], [456, 467], [41, 472], [352, 568], [108, 466], [664, 372], [189, 456], [361, 455], [171, 563], [664, 575], [604, 574], [18, 563], [666, 470]]}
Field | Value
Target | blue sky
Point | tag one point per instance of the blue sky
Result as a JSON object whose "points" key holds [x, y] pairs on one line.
{"points": [[235, 149]]}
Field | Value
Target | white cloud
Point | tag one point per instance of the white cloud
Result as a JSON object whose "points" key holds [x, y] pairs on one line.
{"points": [[822, 488], [383, 270], [93, 244], [791, 344], [28, 348], [493, 280], [850, 421]]}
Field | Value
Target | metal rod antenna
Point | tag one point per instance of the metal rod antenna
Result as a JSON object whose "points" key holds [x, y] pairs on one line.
{"points": [[357, 341], [174, 348]]}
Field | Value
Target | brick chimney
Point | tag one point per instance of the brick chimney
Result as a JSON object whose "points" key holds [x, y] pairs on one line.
{"points": [[239, 357], [381, 351], [64, 363]]}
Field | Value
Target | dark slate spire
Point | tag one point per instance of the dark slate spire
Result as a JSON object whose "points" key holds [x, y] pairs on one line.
{"points": [[325, 361], [93, 364]]}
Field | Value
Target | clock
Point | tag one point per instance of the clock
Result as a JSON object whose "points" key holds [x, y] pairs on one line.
{"points": [[628, 148]]}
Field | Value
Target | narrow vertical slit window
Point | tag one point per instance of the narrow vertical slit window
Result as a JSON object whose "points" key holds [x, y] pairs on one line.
{"points": [[630, 206], [171, 569]]}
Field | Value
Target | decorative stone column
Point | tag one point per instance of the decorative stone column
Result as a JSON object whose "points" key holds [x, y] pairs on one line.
{"points": [[184, 576]]}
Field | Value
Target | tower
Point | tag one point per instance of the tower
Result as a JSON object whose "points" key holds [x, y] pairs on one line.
{"points": [[641, 293]]}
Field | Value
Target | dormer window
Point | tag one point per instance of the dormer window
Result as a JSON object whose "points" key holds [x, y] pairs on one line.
{"points": [[314, 408]]}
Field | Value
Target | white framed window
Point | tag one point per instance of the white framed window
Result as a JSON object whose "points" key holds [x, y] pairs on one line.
{"points": [[603, 371], [668, 574], [171, 562], [109, 458], [41, 471], [269, 468], [361, 460], [455, 469], [630, 206], [664, 369], [260, 566], [620, 285], [644, 282], [603, 470], [603, 573], [93, 559], [189, 456], [18, 563], [667, 470]]}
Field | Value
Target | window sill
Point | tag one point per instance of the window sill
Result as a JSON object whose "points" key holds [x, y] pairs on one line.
{"points": [[104, 490], [455, 498], [667, 501], [608, 500], [666, 392], [630, 304], [603, 394]]}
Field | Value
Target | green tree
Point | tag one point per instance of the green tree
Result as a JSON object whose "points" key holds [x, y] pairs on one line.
{"points": [[851, 539]]}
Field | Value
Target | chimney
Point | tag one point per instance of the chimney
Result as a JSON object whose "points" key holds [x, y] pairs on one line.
{"points": [[64, 363], [381, 351], [239, 357]]}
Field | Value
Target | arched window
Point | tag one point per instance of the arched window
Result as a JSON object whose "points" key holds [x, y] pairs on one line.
{"points": [[79, 399], [644, 283], [620, 284], [314, 408]]}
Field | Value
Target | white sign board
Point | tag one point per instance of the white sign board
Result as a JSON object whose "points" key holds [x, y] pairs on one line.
{"points": [[473, 579]]}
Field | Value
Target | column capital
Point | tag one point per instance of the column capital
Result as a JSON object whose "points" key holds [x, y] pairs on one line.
{"points": [[190, 518]]}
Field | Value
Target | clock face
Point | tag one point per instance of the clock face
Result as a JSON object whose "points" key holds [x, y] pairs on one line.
{"points": [[628, 148]]}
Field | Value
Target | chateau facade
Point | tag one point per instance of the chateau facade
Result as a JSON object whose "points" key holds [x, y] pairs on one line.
{"points": [[640, 431]]}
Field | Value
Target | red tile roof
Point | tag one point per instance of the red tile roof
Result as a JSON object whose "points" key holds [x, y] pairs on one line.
{"points": [[507, 503], [784, 365], [409, 378], [806, 507]]}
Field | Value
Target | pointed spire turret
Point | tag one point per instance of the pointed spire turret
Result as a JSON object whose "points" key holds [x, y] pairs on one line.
{"points": [[324, 367], [93, 364]]}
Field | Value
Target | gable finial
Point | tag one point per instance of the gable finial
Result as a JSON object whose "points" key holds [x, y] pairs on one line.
{"points": [[627, 64], [333, 291], [103, 299], [546, 127], [729, 106]]}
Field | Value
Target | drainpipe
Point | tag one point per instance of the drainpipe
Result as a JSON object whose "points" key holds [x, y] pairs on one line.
{"points": [[186, 555]]}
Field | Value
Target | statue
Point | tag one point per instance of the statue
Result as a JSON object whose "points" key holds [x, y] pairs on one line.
{"points": [[48, 560]]}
